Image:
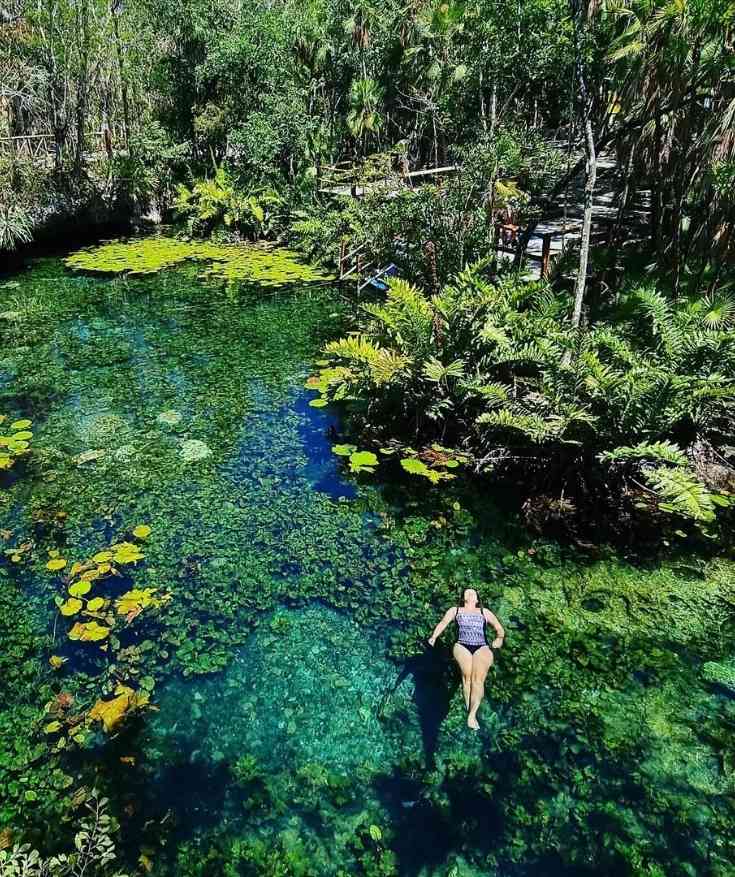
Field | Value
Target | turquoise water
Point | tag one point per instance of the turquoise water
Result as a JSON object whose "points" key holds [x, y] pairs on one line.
{"points": [[297, 723]]}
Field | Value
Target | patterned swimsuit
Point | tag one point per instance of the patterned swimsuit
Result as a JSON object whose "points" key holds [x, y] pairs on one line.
{"points": [[471, 629]]}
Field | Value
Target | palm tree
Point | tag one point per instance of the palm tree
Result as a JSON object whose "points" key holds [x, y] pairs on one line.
{"points": [[364, 117]]}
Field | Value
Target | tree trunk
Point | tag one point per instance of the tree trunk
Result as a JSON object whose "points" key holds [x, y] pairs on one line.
{"points": [[82, 83], [121, 73], [584, 249], [493, 107]]}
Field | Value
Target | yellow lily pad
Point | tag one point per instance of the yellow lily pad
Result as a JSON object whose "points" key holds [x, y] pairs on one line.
{"points": [[52, 727], [79, 589], [138, 599], [102, 556], [89, 632], [95, 604], [56, 563], [111, 712], [21, 424], [57, 661], [90, 575], [71, 607], [142, 531]]}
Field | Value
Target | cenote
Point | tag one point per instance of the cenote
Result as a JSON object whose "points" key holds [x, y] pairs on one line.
{"points": [[282, 715]]}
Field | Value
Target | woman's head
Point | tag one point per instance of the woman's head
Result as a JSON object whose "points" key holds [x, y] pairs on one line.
{"points": [[469, 597]]}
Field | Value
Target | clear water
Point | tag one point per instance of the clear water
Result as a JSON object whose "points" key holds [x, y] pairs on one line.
{"points": [[299, 724]]}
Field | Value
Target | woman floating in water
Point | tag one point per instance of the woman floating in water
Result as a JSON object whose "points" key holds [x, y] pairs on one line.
{"points": [[472, 651]]}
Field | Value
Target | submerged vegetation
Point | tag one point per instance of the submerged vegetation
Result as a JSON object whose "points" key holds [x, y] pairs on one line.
{"points": [[266, 571], [234, 498]]}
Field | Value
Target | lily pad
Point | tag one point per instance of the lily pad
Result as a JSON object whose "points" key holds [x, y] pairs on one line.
{"points": [[71, 607], [321, 402], [56, 563], [363, 461], [21, 424], [142, 531], [344, 450], [79, 589], [89, 632]]}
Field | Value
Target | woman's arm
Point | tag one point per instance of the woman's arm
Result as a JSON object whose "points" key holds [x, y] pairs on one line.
{"points": [[499, 630], [441, 627]]}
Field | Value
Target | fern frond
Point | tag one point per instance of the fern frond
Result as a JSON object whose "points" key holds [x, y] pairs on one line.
{"points": [[656, 452], [681, 492]]}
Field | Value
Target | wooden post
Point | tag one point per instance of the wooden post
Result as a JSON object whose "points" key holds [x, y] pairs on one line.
{"points": [[545, 255]]}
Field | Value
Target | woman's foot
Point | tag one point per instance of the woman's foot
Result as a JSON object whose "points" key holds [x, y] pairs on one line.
{"points": [[473, 723]]}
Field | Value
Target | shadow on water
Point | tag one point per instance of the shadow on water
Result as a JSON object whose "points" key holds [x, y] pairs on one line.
{"points": [[435, 682]]}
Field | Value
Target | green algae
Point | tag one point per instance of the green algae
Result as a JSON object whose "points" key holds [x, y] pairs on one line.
{"points": [[298, 585], [255, 263]]}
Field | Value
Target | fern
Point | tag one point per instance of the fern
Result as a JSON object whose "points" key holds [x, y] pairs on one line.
{"points": [[680, 492], [533, 427], [656, 452], [436, 371]]}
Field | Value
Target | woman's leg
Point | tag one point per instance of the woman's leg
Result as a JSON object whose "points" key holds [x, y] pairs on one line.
{"points": [[464, 658], [482, 661]]}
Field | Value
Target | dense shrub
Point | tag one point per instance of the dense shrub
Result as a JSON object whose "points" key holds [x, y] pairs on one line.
{"points": [[634, 409]]}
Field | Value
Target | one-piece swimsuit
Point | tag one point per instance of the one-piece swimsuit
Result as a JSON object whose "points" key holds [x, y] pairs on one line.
{"points": [[471, 629]]}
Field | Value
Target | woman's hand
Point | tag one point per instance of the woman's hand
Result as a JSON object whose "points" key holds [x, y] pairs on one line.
{"points": [[498, 642], [432, 640]]}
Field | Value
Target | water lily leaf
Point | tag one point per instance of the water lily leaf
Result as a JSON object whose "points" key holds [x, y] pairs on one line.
{"points": [[95, 604], [21, 424], [57, 661], [90, 575], [363, 461], [321, 402], [56, 563], [102, 556], [24, 435], [71, 607], [136, 600], [79, 589], [52, 727], [89, 632], [111, 712], [104, 568], [142, 531], [344, 450]]}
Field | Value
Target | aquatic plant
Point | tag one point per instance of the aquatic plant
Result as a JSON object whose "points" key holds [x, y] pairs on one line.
{"points": [[94, 849], [16, 444], [261, 264]]}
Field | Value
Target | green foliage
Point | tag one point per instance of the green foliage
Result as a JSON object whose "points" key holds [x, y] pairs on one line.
{"points": [[94, 850], [497, 368], [215, 201], [16, 227]]}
